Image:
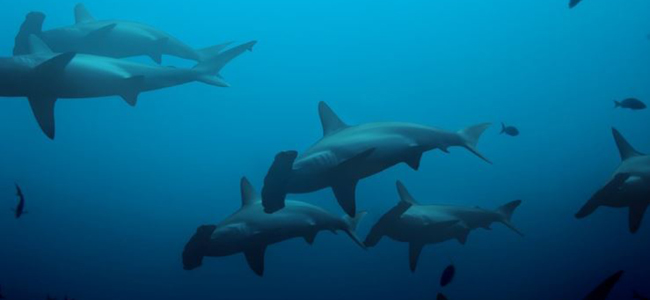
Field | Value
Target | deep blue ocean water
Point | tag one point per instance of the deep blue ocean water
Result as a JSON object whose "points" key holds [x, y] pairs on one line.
{"points": [[114, 198]]}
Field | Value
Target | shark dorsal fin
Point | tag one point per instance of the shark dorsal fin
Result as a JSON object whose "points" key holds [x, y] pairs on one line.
{"points": [[38, 46], [82, 15], [626, 150], [404, 194], [330, 121], [248, 193]]}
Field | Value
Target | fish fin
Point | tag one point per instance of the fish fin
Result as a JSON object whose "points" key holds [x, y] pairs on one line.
{"points": [[329, 120], [133, 87], [82, 15], [33, 25], [625, 149], [503, 128], [345, 193], [573, 3], [351, 228], [413, 161], [404, 194], [214, 64], [414, 255], [101, 33], [470, 137], [604, 288], [602, 195], [506, 212], [248, 193], [212, 51], [617, 104], [212, 80], [36, 45], [255, 259], [157, 49], [636, 216], [310, 237], [43, 109], [462, 238], [274, 191]]}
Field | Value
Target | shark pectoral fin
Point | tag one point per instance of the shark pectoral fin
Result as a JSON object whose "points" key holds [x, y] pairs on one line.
{"points": [[310, 237], [82, 15], [345, 194], [636, 216], [414, 255], [603, 195], [133, 86], [255, 259], [101, 33], [43, 109], [157, 49]]}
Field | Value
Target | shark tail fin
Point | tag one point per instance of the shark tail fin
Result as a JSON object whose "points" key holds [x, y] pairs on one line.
{"points": [[470, 137], [506, 212], [352, 224], [274, 191], [211, 52], [33, 24], [82, 15], [211, 67], [617, 104], [503, 128]]}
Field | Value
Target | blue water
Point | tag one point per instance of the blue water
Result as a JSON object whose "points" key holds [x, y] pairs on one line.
{"points": [[114, 198]]}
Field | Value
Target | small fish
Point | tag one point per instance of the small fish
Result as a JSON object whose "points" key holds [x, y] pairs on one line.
{"points": [[573, 3], [639, 296], [631, 103], [20, 208], [601, 292], [509, 130], [441, 296], [447, 275]]}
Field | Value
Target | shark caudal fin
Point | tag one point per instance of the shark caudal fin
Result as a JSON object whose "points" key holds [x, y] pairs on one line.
{"points": [[506, 212], [573, 3], [470, 137], [208, 70], [33, 24], [274, 191], [603, 195], [196, 248], [82, 15], [351, 228], [211, 52]]}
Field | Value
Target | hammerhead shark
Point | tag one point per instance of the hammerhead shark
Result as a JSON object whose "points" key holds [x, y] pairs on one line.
{"points": [[112, 38], [43, 77], [347, 154], [629, 186], [420, 225], [250, 230]]}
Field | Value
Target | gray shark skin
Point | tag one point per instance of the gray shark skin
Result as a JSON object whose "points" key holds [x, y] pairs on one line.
{"points": [[629, 186], [347, 154], [421, 225], [113, 38], [44, 76], [250, 230]]}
